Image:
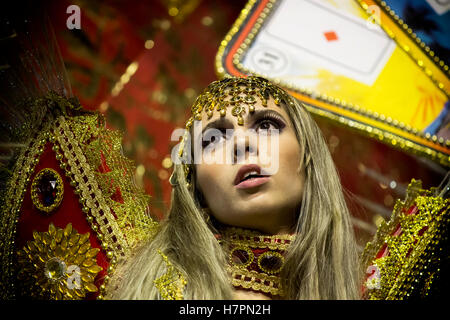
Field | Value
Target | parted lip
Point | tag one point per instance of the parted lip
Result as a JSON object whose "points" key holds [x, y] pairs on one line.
{"points": [[244, 169]]}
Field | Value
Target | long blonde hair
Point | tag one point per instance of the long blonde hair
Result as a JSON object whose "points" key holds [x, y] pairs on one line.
{"points": [[322, 262]]}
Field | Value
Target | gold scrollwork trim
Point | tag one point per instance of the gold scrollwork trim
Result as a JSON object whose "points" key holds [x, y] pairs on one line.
{"points": [[255, 281], [243, 237], [87, 188], [91, 157]]}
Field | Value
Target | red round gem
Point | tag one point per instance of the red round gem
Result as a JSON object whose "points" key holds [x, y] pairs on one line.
{"points": [[240, 257], [271, 262]]}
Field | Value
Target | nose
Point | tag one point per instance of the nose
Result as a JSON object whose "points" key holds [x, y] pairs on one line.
{"points": [[245, 145]]}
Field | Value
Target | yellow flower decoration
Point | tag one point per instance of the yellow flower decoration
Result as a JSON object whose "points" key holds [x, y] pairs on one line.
{"points": [[60, 263]]}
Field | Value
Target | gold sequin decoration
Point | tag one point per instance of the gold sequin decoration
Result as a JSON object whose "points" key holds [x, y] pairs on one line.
{"points": [[60, 264], [411, 241], [172, 283], [237, 93]]}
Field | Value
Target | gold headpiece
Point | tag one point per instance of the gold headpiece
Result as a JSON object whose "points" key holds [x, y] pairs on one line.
{"points": [[236, 93], [241, 92]]}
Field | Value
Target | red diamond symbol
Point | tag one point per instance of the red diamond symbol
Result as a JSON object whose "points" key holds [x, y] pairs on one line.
{"points": [[330, 35]]}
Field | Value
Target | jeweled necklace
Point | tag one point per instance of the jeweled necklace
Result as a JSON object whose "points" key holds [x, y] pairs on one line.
{"points": [[255, 260]]}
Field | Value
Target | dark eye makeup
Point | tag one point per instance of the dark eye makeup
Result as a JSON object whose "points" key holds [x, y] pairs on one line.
{"points": [[259, 119], [270, 117]]}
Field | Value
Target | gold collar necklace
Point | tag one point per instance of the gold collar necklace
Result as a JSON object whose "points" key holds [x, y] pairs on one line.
{"points": [[255, 260]]}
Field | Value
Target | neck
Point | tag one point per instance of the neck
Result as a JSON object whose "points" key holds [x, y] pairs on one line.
{"points": [[282, 230], [276, 222]]}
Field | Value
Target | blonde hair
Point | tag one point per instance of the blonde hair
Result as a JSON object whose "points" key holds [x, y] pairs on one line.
{"points": [[322, 262]]}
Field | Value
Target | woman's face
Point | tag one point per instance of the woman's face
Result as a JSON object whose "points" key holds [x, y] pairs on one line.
{"points": [[269, 198]]}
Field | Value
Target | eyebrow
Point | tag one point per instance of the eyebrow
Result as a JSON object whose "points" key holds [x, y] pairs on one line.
{"points": [[255, 116], [222, 121]]}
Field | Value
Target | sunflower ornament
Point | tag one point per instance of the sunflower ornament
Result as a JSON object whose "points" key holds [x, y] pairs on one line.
{"points": [[59, 264]]}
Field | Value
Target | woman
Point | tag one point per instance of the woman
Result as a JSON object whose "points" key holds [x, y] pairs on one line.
{"points": [[238, 230]]}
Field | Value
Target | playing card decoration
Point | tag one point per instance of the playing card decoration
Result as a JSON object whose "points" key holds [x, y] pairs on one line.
{"points": [[354, 62]]}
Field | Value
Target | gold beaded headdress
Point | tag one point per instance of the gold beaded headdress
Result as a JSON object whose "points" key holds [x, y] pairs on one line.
{"points": [[236, 93]]}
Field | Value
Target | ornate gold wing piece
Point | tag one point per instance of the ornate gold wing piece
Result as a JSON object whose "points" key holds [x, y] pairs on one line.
{"points": [[409, 256], [95, 192]]}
